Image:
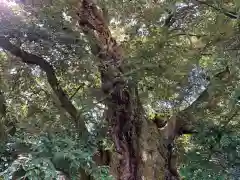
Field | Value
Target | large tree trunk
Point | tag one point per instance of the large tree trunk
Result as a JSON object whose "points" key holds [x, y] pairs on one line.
{"points": [[141, 152], [144, 149]]}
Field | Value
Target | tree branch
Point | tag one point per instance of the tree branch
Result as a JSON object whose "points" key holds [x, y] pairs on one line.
{"points": [[230, 14], [188, 34], [79, 87], [204, 96], [51, 77], [184, 121]]}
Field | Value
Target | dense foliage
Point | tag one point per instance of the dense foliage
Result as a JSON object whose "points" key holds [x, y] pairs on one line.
{"points": [[174, 50]]}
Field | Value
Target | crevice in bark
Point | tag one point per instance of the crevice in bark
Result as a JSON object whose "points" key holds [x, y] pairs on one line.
{"points": [[171, 164], [123, 123], [160, 123]]}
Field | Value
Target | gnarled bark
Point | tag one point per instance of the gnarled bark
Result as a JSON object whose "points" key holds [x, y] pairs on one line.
{"points": [[143, 150], [140, 151], [121, 100]]}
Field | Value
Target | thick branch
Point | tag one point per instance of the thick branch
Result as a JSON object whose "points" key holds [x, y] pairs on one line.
{"points": [[204, 96], [51, 77], [184, 121]]}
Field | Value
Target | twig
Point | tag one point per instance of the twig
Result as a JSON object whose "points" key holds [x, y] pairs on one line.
{"points": [[79, 87]]}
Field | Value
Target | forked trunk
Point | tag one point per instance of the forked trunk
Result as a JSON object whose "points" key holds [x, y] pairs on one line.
{"points": [[140, 154], [141, 151]]}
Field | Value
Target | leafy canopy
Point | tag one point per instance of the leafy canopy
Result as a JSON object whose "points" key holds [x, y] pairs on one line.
{"points": [[172, 49]]}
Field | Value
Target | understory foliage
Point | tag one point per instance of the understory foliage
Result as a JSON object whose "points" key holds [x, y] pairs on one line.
{"points": [[48, 157], [175, 50]]}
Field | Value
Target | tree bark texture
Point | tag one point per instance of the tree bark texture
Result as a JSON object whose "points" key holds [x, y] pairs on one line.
{"points": [[141, 152], [144, 151]]}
